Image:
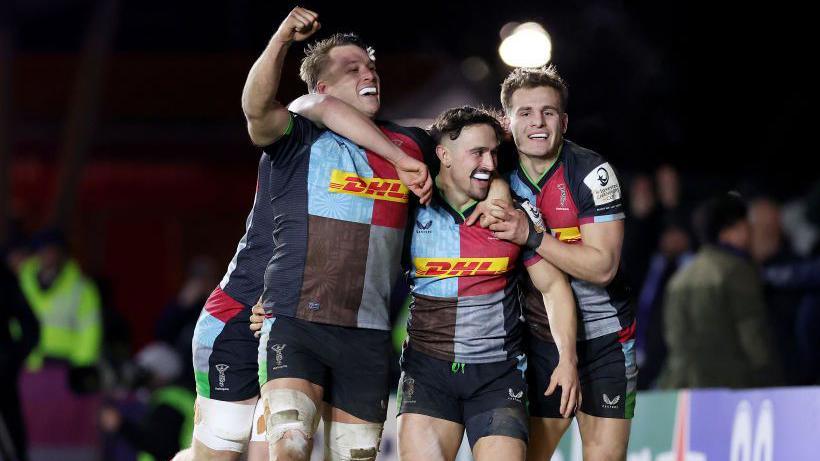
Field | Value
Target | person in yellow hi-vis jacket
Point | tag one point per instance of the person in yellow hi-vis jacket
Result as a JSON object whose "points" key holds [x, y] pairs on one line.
{"points": [[65, 302]]}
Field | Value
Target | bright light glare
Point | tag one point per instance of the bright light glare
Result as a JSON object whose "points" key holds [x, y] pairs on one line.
{"points": [[528, 46]]}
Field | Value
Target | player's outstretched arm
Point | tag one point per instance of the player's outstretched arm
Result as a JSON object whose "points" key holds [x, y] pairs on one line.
{"points": [[596, 260], [344, 119], [267, 118], [560, 306]]}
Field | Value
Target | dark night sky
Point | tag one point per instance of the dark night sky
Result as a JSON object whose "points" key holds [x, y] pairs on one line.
{"points": [[721, 93]]}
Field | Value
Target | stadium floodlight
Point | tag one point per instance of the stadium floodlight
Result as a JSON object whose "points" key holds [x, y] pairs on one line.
{"points": [[528, 45]]}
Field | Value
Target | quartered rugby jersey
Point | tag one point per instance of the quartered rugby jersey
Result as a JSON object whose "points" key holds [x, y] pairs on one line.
{"points": [[579, 188], [242, 283], [338, 221], [463, 280]]}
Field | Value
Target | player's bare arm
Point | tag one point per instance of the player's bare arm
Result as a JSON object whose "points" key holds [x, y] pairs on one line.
{"points": [[596, 260], [560, 307], [267, 118], [336, 115]]}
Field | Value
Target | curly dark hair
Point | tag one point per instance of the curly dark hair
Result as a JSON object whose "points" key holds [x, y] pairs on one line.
{"points": [[316, 56], [452, 121], [523, 77]]}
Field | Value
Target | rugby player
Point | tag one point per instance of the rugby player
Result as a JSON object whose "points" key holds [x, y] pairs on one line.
{"points": [[579, 197], [324, 236], [463, 367]]}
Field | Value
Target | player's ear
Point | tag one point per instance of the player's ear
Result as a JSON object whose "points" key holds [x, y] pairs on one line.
{"points": [[564, 122], [321, 87], [505, 123], [443, 155]]}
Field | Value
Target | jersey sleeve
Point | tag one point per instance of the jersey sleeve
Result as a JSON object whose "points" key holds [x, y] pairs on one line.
{"points": [[425, 144], [428, 151], [296, 141], [599, 193]]}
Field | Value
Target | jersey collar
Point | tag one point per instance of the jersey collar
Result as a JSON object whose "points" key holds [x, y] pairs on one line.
{"points": [[459, 215], [536, 185]]}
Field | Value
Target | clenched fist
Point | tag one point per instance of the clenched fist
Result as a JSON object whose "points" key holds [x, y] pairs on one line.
{"points": [[297, 26]]}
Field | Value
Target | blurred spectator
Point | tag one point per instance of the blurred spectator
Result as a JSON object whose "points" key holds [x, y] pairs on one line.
{"points": [[178, 319], [116, 351], [770, 248], [768, 242], [643, 227], [659, 244], [715, 321], [65, 302], [674, 210], [168, 424], [803, 278], [17, 251], [19, 334], [674, 252], [802, 235]]}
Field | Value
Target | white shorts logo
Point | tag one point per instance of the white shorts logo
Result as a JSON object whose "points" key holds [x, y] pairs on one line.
{"points": [[409, 389], [611, 403], [278, 348], [221, 368], [516, 396]]}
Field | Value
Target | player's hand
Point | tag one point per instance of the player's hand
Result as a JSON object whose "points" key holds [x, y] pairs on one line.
{"points": [[414, 174], [513, 224], [482, 214], [256, 318], [499, 190], [299, 24], [566, 376]]}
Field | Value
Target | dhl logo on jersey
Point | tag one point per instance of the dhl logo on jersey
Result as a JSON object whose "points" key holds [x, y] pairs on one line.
{"points": [[567, 234], [345, 182], [460, 267]]}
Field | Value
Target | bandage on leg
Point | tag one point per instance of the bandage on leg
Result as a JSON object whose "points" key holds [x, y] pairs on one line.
{"points": [[259, 424], [354, 442], [291, 420], [223, 426], [286, 410]]}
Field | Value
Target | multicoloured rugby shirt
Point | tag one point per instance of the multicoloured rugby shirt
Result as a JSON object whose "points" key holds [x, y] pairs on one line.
{"points": [[466, 303], [580, 188], [239, 289], [339, 215]]}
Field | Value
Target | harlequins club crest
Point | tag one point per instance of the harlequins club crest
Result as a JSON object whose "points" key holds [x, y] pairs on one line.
{"points": [[278, 348]]}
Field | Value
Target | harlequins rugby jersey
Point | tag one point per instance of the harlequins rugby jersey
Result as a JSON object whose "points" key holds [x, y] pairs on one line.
{"points": [[580, 188], [242, 283], [463, 280], [339, 215]]}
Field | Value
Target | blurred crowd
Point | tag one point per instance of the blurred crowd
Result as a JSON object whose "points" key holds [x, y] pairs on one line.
{"points": [[727, 290], [77, 391], [727, 287]]}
